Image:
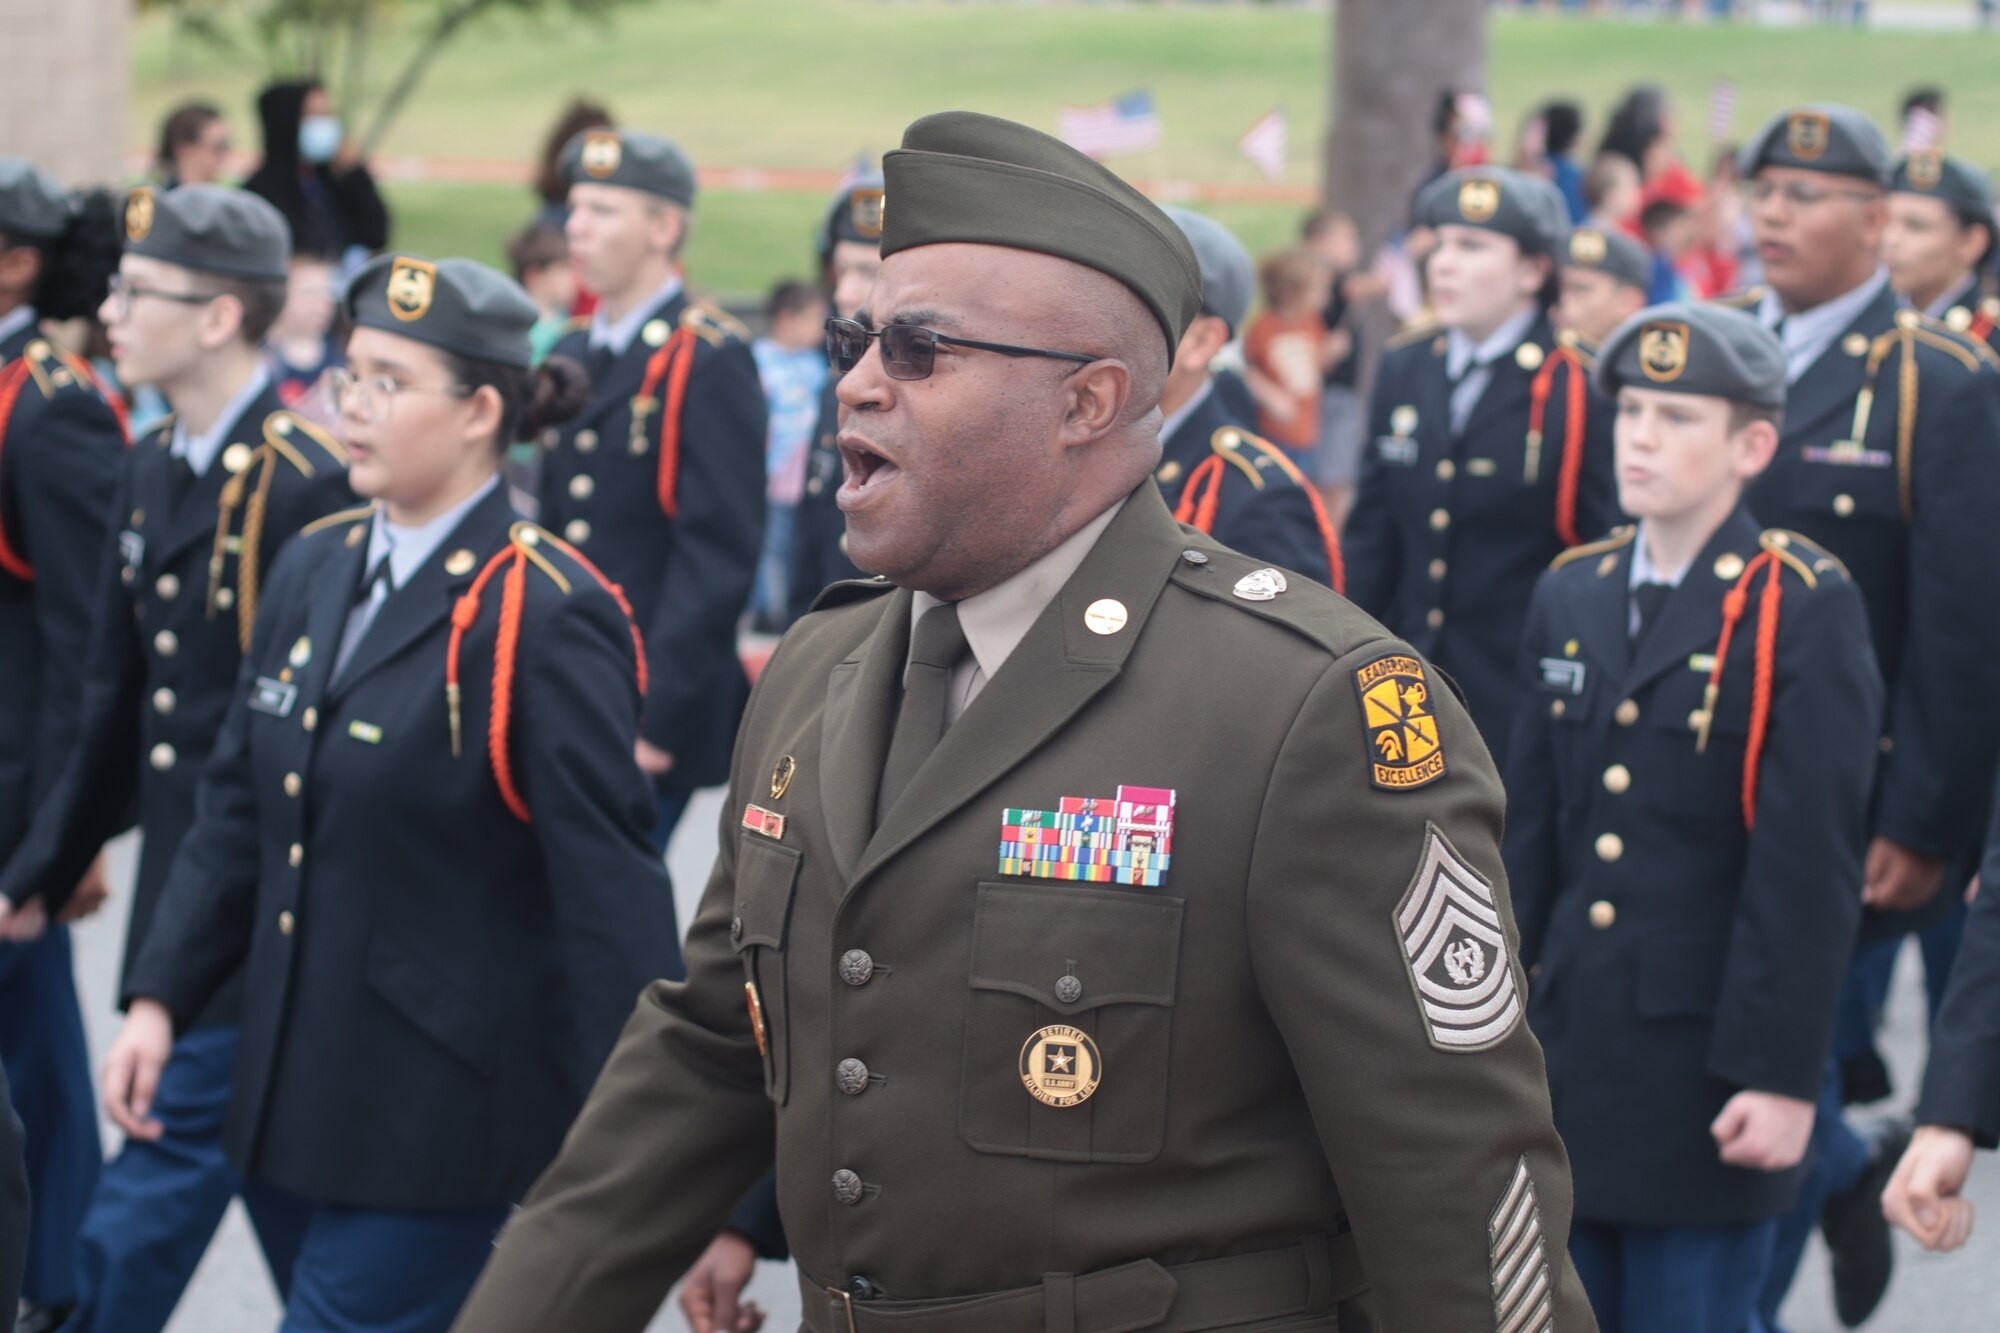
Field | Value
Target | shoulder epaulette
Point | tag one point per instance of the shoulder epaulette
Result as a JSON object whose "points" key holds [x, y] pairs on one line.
{"points": [[1229, 443], [1303, 606], [1802, 555], [284, 429], [1620, 536], [1968, 351], [849, 591], [1415, 334], [353, 515], [715, 325], [1742, 300]]}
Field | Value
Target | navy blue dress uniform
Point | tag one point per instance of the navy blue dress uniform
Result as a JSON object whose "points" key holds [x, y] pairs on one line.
{"points": [[1452, 524], [14, 1200], [62, 446], [1217, 474], [1968, 192], [660, 481], [422, 838], [1961, 1087], [1890, 458]]}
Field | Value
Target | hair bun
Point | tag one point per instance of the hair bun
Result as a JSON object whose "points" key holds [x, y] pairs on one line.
{"points": [[559, 391]]}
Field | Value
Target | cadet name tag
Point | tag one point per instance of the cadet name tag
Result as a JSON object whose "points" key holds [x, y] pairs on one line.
{"points": [[1562, 674], [1127, 839], [274, 697], [1397, 449]]}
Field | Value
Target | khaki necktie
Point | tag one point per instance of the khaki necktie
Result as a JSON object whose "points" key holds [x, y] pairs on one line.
{"points": [[937, 644]]}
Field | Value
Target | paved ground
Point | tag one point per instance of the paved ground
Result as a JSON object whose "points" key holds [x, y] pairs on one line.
{"points": [[232, 1294]]}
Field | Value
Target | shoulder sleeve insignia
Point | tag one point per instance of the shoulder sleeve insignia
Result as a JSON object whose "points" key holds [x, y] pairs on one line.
{"points": [[1455, 947], [1404, 749], [1520, 1258]]}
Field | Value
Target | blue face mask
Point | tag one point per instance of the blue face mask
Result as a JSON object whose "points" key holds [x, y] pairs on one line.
{"points": [[319, 138]]}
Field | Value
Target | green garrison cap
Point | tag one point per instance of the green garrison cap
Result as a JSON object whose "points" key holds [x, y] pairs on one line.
{"points": [[964, 177], [1820, 137], [1513, 203], [1228, 278], [1965, 187], [1713, 350], [33, 205], [459, 305], [635, 160], [210, 228], [1608, 252], [854, 215]]}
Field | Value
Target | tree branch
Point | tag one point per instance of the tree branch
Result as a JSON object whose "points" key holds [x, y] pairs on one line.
{"points": [[448, 23]]}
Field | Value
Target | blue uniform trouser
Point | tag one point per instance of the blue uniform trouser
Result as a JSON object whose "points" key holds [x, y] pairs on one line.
{"points": [[48, 1071], [371, 1270], [158, 1203], [1836, 1158], [1673, 1279]]}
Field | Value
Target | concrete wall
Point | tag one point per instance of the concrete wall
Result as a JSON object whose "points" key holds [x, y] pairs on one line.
{"points": [[64, 70]]}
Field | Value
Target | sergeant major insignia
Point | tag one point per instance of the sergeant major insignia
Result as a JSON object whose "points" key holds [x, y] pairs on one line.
{"points": [[1405, 751], [1455, 946]]}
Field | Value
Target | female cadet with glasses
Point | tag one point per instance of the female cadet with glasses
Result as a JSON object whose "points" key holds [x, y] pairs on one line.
{"points": [[423, 836]]}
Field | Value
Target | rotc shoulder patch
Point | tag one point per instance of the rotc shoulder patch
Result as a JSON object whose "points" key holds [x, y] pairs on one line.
{"points": [[1404, 750], [1455, 947]]}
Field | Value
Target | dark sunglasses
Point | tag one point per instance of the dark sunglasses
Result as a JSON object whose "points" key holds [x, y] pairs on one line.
{"points": [[909, 351]]}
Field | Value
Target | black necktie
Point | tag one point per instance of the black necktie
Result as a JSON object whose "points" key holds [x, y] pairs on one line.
{"points": [[937, 644], [1648, 598], [597, 359]]}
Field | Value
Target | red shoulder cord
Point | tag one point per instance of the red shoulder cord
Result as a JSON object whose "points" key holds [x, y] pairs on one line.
{"points": [[1570, 477], [1734, 604], [672, 363], [11, 380], [1981, 326], [506, 649], [1203, 493]]}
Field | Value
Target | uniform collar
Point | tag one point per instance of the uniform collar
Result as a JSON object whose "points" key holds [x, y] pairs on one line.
{"points": [[1965, 294], [1178, 417], [1461, 353], [1645, 571], [617, 337], [200, 450], [1808, 333], [14, 321], [406, 549]]}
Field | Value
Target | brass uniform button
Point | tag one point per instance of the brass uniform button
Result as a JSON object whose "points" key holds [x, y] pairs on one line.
{"points": [[296, 856], [1446, 469], [166, 643], [311, 719], [1437, 571], [1843, 505], [1557, 708], [586, 441], [1434, 618], [287, 923], [736, 930], [846, 1186], [162, 757], [1626, 713], [168, 586], [163, 701], [581, 486], [577, 531], [852, 1076], [294, 784], [1440, 520], [1618, 779], [1610, 847], [1728, 566], [856, 967], [225, 598], [1602, 914]]}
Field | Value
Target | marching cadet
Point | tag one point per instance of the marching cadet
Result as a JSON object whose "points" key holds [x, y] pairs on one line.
{"points": [[422, 837], [661, 479], [982, 919], [1686, 802], [850, 254], [1939, 239], [1604, 278], [1218, 475], [1490, 454], [204, 503], [61, 448], [1889, 458]]}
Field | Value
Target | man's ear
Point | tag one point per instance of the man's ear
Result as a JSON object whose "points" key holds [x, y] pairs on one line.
{"points": [[1097, 394], [1760, 446]]}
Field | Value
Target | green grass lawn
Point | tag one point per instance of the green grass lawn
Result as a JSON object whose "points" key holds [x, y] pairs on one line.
{"points": [[810, 83]]}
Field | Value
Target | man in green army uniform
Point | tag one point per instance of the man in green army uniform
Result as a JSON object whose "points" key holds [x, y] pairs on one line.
{"points": [[1108, 932]]}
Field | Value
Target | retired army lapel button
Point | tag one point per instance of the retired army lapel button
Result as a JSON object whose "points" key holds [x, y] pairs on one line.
{"points": [[781, 777], [459, 563], [1260, 585], [1060, 1066], [1105, 616]]}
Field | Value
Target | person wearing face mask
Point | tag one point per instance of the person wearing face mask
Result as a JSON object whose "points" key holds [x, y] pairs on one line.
{"points": [[423, 838], [203, 504], [313, 174], [61, 449], [1490, 451]]}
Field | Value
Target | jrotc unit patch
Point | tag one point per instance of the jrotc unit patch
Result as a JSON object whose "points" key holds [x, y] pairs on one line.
{"points": [[1128, 839], [1456, 949], [1404, 749]]}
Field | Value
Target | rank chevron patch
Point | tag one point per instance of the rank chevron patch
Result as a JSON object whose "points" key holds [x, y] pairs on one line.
{"points": [[1521, 1299], [1456, 950]]}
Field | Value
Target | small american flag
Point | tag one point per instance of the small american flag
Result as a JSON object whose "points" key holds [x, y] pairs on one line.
{"points": [[1128, 125], [1721, 109], [1922, 129], [1266, 142]]}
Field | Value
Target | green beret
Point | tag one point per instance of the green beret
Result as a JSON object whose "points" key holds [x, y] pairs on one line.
{"points": [[210, 228], [458, 305], [1960, 184], [1514, 203], [1713, 350], [980, 180], [33, 204], [1609, 252], [854, 215], [1820, 137], [635, 160], [1228, 278]]}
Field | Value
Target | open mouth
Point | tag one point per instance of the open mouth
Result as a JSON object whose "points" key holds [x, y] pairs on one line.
{"points": [[867, 472]]}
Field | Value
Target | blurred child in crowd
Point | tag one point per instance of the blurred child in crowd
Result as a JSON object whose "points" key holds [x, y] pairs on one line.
{"points": [[1284, 347], [539, 256]]}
